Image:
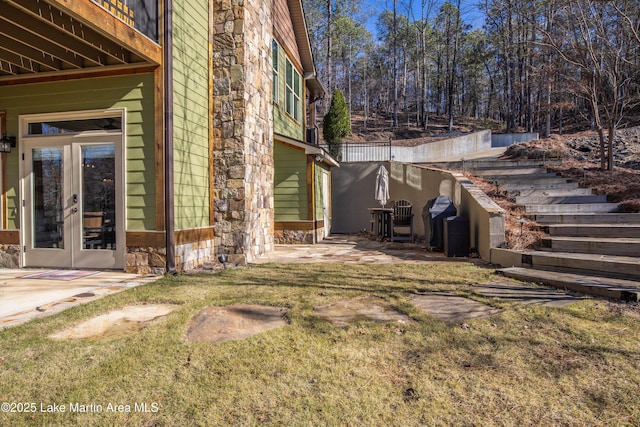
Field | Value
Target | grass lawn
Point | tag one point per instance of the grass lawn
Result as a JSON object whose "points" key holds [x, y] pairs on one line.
{"points": [[530, 365]]}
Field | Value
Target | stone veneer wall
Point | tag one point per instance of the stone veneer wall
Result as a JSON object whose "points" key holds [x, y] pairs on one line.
{"points": [[148, 260], [243, 129], [294, 237], [10, 256]]}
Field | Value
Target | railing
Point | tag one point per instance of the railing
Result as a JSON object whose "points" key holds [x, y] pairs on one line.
{"points": [[139, 14], [434, 151], [371, 151]]}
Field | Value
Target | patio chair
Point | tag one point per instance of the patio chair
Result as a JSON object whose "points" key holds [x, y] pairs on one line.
{"points": [[93, 227], [402, 222]]}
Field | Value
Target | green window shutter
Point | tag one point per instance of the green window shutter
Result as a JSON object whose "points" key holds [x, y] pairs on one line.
{"points": [[276, 71], [289, 80]]}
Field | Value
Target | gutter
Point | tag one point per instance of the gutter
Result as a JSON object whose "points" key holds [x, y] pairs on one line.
{"points": [[169, 216]]}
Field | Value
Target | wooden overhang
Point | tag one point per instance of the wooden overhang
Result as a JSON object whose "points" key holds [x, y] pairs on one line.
{"points": [[44, 39]]}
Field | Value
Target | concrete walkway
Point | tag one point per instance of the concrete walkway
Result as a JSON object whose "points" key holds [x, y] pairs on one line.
{"points": [[23, 299]]}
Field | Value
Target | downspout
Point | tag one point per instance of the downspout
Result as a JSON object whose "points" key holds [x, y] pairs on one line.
{"points": [[168, 137]]}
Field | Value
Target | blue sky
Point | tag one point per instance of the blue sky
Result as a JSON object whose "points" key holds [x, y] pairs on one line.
{"points": [[471, 13]]}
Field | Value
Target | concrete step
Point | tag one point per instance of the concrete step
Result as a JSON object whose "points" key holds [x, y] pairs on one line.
{"points": [[531, 186], [544, 192], [494, 164], [554, 200], [521, 171], [504, 164], [629, 247], [622, 267], [598, 286], [593, 230], [538, 178], [572, 208], [585, 218]]}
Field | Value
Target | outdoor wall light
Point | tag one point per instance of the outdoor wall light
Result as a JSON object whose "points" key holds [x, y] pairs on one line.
{"points": [[6, 143], [319, 159], [223, 260]]}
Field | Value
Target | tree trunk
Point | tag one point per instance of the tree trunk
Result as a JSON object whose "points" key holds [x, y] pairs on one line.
{"points": [[612, 135], [395, 68], [547, 132], [560, 120], [329, 49]]}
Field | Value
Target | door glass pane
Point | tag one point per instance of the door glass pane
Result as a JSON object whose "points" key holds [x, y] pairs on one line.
{"points": [[74, 126], [48, 198], [98, 197]]}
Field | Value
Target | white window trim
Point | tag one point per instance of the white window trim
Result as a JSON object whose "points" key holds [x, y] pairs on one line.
{"points": [[291, 92]]}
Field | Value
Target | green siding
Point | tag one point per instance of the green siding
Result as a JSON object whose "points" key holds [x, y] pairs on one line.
{"points": [[191, 113], [135, 93], [290, 191], [284, 124]]}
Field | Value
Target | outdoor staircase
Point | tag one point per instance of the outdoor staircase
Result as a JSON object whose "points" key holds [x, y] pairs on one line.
{"points": [[590, 249]]}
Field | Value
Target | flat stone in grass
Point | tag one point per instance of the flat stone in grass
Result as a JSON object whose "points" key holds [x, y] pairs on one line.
{"points": [[451, 308], [215, 324], [526, 294], [360, 309], [117, 323]]}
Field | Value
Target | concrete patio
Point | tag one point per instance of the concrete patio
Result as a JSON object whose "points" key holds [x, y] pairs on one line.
{"points": [[23, 299]]}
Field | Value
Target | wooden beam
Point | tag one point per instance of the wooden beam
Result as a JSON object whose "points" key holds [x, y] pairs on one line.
{"points": [[33, 64], [295, 225], [212, 193], [111, 27], [156, 239], [158, 113], [45, 13], [50, 35], [311, 194], [28, 43], [9, 237], [194, 235], [3, 191], [145, 239], [85, 73]]}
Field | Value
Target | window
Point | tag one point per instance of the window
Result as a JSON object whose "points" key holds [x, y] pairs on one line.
{"points": [[276, 72], [293, 91]]}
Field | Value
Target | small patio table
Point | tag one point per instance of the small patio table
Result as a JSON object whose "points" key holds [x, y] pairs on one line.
{"points": [[381, 221]]}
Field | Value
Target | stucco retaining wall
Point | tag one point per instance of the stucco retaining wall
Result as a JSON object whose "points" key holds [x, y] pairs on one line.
{"points": [[353, 193], [507, 139], [445, 149]]}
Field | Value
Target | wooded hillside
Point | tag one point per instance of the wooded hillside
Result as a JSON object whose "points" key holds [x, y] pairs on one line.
{"points": [[533, 66]]}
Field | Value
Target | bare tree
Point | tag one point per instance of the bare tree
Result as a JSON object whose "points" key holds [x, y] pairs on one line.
{"points": [[599, 43]]}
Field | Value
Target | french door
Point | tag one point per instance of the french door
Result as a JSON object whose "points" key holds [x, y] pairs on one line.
{"points": [[73, 201]]}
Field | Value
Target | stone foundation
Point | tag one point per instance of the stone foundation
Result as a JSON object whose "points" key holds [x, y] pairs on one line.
{"points": [[193, 255], [294, 237], [10, 256], [148, 260], [298, 232]]}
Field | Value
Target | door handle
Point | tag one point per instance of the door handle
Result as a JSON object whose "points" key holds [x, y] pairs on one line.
{"points": [[74, 210], [75, 199]]}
